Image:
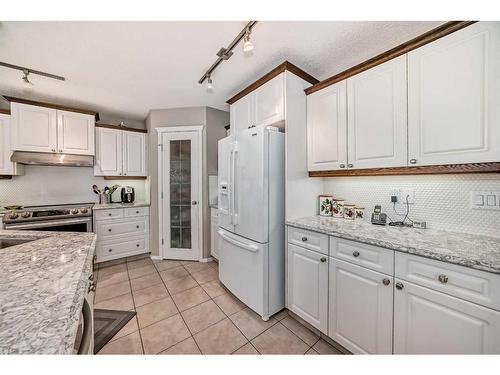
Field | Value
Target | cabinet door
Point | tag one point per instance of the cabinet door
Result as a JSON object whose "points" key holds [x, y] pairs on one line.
{"points": [[268, 107], [308, 286], [134, 154], [360, 308], [327, 128], [6, 166], [376, 119], [33, 128], [430, 322], [453, 96], [108, 160], [75, 133], [241, 114]]}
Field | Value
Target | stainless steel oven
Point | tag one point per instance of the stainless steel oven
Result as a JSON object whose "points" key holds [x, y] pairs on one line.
{"points": [[66, 218]]}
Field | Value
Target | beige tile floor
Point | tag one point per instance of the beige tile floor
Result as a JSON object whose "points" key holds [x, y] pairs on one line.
{"points": [[182, 308]]}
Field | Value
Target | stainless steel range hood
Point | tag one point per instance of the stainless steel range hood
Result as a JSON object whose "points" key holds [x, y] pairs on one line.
{"points": [[42, 158]]}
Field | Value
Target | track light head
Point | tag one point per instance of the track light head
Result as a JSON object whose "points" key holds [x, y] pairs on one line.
{"points": [[25, 78], [210, 86], [247, 45]]}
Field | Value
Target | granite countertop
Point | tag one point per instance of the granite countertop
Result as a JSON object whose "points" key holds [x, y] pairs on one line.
{"points": [[42, 287], [107, 206], [469, 250]]}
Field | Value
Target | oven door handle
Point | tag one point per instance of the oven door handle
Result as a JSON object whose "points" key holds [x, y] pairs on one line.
{"points": [[46, 224]]}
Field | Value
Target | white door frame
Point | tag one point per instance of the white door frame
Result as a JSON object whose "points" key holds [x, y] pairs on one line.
{"points": [[166, 198]]}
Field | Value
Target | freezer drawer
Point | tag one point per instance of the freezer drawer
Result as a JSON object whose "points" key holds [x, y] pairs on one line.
{"points": [[243, 270]]}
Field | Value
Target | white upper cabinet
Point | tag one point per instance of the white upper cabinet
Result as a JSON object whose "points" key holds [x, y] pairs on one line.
{"points": [[376, 118], [454, 96], [240, 114], [327, 128], [108, 158], [308, 286], [75, 133], [33, 128], [360, 308], [6, 166], [134, 154], [430, 322], [120, 153], [269, 102], [261, 107]]}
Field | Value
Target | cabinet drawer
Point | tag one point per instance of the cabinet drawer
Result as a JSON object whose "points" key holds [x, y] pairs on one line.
{"points": [[115, 213], [130, 227], [469, 284], [122, 247], [372, 257], [136, 211], [310, 240]]}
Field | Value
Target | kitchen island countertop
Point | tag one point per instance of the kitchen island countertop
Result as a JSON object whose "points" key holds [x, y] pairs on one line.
{"points": [[107, 206], [42, 288], [468, 250]]}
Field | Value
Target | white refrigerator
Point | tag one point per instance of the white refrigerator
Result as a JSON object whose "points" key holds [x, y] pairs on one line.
{"points": [[252, 218]]}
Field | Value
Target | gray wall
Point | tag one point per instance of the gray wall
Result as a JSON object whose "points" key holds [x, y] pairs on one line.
{"points": [[213, 120]]}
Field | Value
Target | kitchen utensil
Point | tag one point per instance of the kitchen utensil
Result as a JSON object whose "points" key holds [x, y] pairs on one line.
{"points": [[96, 189], [13, 207], [104, 198]]}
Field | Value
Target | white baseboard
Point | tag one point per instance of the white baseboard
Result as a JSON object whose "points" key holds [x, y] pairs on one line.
{"points": [[155, 257], [206, 260]]}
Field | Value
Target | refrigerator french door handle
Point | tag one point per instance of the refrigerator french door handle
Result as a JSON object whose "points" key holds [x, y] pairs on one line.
{"points": [[249, 247], [231, 184], [234, 191]]}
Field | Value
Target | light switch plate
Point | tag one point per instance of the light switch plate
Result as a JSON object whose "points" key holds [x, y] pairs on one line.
{"points": [[485, 200]]}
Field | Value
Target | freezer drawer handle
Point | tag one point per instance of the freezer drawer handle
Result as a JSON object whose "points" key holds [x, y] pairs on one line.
{"points": [[249, 247]]}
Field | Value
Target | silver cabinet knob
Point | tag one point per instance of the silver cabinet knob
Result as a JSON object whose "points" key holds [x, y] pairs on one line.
{"points": [[413, 161], [399, 286], [386, 282], [194, 203], [350, 165], [443, 279], [304, 239], [342, 165], [60, 150], [124, 174], [323, 260], [355, 254], [53, 150]]}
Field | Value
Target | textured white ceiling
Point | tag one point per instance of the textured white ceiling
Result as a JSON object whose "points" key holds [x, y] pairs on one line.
{"points": [[128, 68]]}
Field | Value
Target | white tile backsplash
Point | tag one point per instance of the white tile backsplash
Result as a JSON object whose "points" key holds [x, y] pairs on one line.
{"points": [[56, 185], [443, 201]]}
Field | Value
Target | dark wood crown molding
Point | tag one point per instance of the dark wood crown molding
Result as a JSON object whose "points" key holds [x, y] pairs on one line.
{"points": [[423, 170], [273, 73], [118, 127], [419, 41], [5, 111], [52, 105]]}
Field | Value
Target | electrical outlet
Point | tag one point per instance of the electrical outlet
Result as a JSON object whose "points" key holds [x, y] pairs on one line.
{"points": [[485, 200], [401, 195]]}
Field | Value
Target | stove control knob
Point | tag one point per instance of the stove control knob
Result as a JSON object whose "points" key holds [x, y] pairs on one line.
{"points": [[25, 214], [74, 211], [84, 210], [13, 215]]}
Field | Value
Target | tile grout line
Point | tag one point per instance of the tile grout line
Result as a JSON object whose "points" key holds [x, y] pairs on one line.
{"points": [[135, 309]]}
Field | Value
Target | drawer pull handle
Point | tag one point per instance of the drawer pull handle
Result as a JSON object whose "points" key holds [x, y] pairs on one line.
{"points": [[323, 260], [304, 239], [91, 277], [109, 230], [443, 279], [342, 165], [110, 250], [137, 245], [110, 214], [355, 254], [386, 282], [137, 226], [413, 161], [136, 212], [399, 286]]}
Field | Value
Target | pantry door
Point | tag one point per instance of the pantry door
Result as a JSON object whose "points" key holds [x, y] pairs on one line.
{"points": [[180, 192]]}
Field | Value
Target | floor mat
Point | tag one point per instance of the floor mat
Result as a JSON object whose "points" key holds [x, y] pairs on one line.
{"points": [[107, 323]]}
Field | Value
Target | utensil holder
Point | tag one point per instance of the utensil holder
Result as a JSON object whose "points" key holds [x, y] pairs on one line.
{"points": [[104, 198]]}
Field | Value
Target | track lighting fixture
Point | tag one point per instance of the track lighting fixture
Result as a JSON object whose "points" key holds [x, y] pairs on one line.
{"points": [[225, 53], [210, 86], [25, 78], [247, 45]]}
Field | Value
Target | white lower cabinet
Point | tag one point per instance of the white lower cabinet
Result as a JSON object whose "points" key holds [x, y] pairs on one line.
{"points": [[308, 286], [121, 232], [430, 322], [214, 226], [360, 308]]}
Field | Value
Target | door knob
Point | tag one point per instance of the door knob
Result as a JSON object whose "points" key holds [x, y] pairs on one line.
{"points": [[194, 203], [399, 286]]}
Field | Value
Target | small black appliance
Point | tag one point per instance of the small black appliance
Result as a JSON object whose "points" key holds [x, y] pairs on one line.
{"points": [[128, 194]]}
